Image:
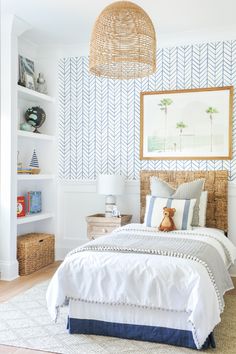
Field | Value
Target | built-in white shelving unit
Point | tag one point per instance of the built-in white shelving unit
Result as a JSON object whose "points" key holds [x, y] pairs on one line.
{"points": [[32, 95], [28, 177], [34, 217], [19, 145], [31, 135], [44, 143]]}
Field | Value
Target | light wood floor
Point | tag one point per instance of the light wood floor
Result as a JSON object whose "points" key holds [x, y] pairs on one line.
{"points": [[21, 284], [232, 292], [9, 289]]}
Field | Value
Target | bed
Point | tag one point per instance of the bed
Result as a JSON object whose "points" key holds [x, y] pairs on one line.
{"points": [[140, 284]]}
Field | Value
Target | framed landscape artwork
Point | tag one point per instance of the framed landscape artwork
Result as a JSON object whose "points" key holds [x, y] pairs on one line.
{"points": [[26, 73], [186, 124]]}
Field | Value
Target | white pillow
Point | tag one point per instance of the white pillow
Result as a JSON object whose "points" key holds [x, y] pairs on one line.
{"points": [[202, 208], [183, 215]]}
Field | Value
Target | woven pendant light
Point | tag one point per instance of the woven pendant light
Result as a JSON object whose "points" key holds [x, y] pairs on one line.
{"points": [[123, 43]]}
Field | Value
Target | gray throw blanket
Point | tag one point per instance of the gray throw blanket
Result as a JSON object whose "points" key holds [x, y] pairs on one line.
{"points": [[198, 251]]}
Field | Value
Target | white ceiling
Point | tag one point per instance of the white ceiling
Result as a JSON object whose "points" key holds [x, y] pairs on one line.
{"points": [[68, 22]]}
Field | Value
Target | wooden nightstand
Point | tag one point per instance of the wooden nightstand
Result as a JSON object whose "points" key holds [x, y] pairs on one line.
{"points": [[99, 225]]}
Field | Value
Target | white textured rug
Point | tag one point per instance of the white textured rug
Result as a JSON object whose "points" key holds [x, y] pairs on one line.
{"points": [[24, 322]]}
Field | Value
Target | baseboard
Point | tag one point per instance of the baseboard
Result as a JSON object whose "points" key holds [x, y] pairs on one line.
{"points": [[9, 270]]}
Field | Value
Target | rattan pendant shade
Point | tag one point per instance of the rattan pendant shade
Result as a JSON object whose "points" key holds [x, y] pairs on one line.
{"points": [[123, 43]]}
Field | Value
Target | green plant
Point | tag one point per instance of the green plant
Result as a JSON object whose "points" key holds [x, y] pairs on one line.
{"points": [[211, 111], [164, 103], [180, 125]]}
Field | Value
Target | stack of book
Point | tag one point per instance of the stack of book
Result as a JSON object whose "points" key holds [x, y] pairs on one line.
{"points": [[34, 202]]}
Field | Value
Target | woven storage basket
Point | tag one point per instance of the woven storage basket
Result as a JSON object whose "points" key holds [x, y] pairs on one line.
{"points": [[34, 251]]}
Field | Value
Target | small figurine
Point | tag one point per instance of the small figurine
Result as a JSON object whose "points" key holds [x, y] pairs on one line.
{"points": [[34, 164], [26, 127], [115, 212], [41, 84], [168, 223]]}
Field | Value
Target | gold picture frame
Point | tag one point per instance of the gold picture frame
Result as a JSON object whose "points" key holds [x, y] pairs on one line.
{"points": [[191, 124]]}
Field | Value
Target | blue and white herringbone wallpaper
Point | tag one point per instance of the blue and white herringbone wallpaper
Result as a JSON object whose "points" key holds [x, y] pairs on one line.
{"points": [[100, 118]]}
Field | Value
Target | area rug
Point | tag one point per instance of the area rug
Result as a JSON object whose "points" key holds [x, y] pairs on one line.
{"points": [[24, 322]]}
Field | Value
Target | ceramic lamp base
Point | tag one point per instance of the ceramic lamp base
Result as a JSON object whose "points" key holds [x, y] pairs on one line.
{"points": [[110, 202]]}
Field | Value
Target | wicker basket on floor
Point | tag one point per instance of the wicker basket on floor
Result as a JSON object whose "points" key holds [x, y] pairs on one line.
{"points": [[35, 251]]}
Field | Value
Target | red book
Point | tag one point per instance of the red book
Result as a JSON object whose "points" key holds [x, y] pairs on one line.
{"points": [[20, 206]]}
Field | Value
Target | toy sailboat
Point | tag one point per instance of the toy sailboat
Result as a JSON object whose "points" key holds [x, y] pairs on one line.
{"points": [[34, 164]]}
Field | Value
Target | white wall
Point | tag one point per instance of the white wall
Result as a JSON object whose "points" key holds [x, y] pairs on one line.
{"points": [[100, 134], [199, 36], [79, 199]]}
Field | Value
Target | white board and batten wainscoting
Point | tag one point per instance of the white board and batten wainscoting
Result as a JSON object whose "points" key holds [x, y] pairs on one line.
{"points": [[79, 199]]}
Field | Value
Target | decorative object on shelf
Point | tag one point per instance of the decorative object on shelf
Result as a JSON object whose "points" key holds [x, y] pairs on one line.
{"points": [[34, 199], [29, 82], [41, 85], [115, 212], [35, 116], [110, 186], [20, 206], [123, 43], [34, 164], [24, 171], [26, 127], [19, 164], [26, 72]]}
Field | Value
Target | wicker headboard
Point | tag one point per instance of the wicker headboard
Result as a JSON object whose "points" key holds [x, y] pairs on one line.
{"points": [[216, 184]]}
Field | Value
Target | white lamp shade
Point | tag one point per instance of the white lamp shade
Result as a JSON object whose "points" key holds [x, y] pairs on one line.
{"points": [[110, 184]]}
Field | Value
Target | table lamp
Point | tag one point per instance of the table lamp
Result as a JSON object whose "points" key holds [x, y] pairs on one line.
{"points": [[110, 186]]}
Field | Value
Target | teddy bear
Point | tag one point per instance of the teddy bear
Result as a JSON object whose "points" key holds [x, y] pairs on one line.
{"points": [[167, 223]]}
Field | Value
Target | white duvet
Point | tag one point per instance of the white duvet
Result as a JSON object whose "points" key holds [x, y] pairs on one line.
{"points": [[142, 280]]}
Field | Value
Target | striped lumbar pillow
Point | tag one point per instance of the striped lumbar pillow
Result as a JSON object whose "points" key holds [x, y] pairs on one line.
{"points": [[183, 214], [189, 190]]}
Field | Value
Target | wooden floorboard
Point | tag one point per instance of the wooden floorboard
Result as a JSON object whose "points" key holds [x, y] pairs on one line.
{"points": [[232, 292], [9, 289]]}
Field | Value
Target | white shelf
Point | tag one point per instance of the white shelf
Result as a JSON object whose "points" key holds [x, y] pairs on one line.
{"points": [[27, 94], [34, 217], [29, 177], [31, 135]]}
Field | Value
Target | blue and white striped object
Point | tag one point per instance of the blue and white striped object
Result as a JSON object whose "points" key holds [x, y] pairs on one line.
{"points": [[183, 214]]}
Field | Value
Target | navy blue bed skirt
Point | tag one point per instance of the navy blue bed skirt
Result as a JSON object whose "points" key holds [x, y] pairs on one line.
{"points": [[171, 336]]}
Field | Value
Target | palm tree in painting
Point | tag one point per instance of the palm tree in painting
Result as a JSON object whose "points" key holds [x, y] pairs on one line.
{"points": [[164, 103], [180, 125], [211, 111]]}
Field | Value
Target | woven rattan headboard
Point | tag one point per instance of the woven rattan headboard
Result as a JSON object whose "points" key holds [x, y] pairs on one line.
{"points": [[216, 184]]}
